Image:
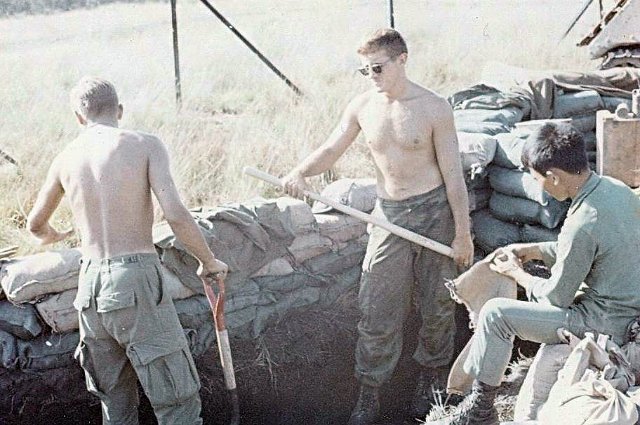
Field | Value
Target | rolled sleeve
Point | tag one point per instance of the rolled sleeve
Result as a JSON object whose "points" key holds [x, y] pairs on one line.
{"points": [[548, 252], [575, 253]]}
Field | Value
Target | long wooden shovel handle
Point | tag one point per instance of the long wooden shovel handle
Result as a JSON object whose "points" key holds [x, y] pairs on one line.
{"points": [[377, 221], [222, 336]]}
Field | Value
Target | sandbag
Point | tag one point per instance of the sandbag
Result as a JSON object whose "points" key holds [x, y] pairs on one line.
{"points": [[479, 199], [356, 193], [289, 282], [507, 116], [238, 320], [491, 233], [477, 180], [631, 351], [488, 128], [174, 286], [521, 184], [585, 122], [337, 261], [476, 150], [612, 102], [278, 267], [533, 233], [47, 351], [542, 375], [58, 312], [577, 103], [343, 282], [296, 212], [28, 278], [201, 339], [21, 321], [509, 148], [193, 312], [8, 350], [590, 142], [593, 402], [519, 210], [281, 217], [308, 246], [340, 227], [271, 313]]}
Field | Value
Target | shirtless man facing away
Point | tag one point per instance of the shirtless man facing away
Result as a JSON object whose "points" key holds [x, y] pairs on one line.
{"points": [[128, 324], [420, 186]]}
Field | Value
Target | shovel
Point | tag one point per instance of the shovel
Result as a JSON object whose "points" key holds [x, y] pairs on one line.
{"points": [[377, 221], [217, 308]]}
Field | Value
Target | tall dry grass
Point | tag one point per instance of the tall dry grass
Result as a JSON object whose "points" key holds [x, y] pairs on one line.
{"points": [[235, 111]]}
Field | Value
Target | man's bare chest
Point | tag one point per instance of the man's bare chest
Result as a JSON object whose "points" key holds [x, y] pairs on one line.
{"points": [[399, 126]]}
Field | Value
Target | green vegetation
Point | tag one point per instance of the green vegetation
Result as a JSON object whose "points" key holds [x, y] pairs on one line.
{"points": [[236, 112]]}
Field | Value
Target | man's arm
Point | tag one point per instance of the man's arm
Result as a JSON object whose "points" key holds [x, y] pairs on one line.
{"points": [[176, 214], [545, 251], [326, 155], [574, 258], [46, 203], [445, 142]]}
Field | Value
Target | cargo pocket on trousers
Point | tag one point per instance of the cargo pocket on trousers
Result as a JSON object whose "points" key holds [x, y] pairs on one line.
{"points": [[83, 357], [167, 379], [115, 301]]}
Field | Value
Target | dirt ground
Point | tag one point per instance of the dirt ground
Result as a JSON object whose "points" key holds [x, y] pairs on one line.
{"points": [[299, 372]]}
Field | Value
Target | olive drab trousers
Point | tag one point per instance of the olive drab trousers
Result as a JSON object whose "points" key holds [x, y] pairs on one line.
{"points": [[393, 267], [129, 331]]}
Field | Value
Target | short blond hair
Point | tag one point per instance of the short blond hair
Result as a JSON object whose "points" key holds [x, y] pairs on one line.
{"points": [[94, 97], [384, 38]]}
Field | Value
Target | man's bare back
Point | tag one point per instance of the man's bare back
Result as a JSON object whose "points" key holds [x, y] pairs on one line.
{"points": [[398, 134], [105, 174], [109, 175]]}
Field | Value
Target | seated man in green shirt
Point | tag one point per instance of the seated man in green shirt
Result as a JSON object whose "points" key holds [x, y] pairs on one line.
{"points": [[595, 279]]}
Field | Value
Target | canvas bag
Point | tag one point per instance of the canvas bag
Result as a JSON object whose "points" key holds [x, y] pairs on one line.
{"points": [[473, 289]]}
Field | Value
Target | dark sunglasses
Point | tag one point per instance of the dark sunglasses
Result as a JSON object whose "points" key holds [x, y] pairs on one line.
{"points": [[376, 68]]}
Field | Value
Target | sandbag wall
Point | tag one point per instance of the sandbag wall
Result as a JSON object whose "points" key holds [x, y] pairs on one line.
{"points": [[282, 257], [518, 209]]}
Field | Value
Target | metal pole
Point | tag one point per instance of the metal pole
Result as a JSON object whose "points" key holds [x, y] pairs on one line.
{"points": [[176, 56], [251, 47], [391, 21], [585, 5]]}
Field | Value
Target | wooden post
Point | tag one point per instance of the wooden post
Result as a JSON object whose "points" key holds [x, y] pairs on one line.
{"points": [[176, 56]]}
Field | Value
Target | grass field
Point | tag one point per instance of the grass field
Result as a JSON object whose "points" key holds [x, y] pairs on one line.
{"points": [[235, 111]]}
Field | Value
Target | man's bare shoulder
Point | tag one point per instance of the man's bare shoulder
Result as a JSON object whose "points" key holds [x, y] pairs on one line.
{"points": [[358, 102], [429, 96], [140, 137]]}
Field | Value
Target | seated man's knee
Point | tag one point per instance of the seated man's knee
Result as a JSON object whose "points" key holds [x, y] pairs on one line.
{"points": [[491, 312]]}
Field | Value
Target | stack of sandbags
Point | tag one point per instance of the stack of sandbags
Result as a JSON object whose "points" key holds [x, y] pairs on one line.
{"points": [[586, 381], [281, 256], [519, 210], [476, 153], [29, 339], [581, 107], [38, 322], [487, 121]]}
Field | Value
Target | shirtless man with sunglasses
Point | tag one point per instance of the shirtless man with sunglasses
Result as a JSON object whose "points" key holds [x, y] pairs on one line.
{"points": [[410, 133]]}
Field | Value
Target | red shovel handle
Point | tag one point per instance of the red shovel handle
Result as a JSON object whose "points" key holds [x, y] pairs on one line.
{"points": [[216, 302]]}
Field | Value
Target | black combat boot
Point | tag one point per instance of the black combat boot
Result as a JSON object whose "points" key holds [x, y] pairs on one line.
{"points": [[430, 391], [367, 408], [477, 408]]}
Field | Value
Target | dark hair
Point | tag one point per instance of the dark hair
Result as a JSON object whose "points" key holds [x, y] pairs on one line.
{"points": [[555, 145], [384, 38]]}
